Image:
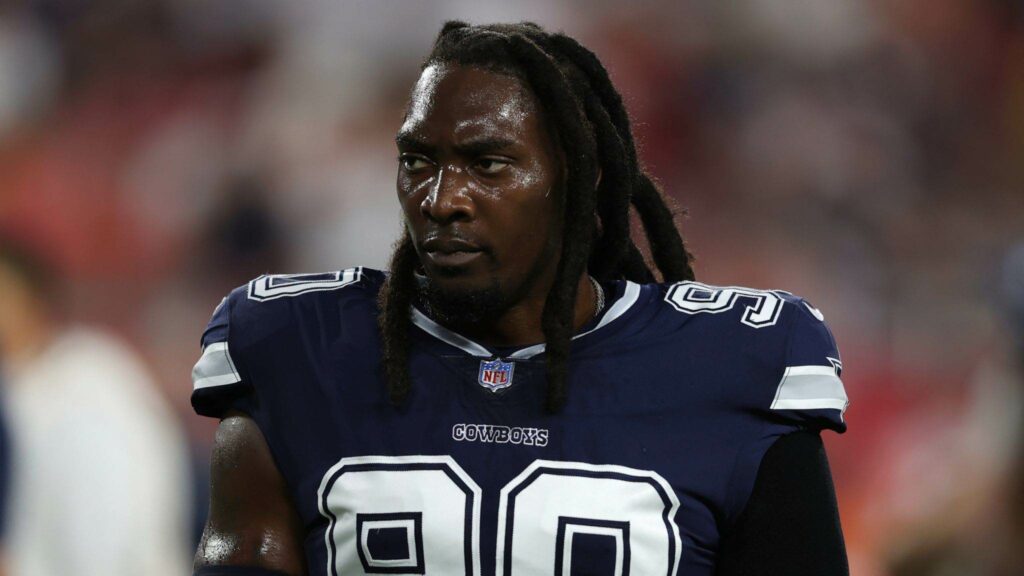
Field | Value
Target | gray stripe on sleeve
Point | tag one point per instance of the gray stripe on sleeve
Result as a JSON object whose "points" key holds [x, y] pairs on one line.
{"points": [[214, 368], [810, 388]]}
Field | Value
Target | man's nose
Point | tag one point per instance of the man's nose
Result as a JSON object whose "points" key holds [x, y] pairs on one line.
{"points": [[449, 198]]}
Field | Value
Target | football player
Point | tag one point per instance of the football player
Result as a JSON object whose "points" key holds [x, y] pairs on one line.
{"points": [[518, 395]]}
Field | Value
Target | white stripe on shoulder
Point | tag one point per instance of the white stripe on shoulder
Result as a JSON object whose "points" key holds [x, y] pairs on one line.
{"points": [[214, 368], [810, 388]]}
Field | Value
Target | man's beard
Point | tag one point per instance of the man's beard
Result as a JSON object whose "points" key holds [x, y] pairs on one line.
{"points": [[465, 306]]}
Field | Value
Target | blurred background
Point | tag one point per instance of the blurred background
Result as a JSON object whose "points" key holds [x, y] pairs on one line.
{"points": [[865, 154]]}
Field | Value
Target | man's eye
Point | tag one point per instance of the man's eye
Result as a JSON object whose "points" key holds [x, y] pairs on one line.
{"points": [[491, 165], [412, 163]]}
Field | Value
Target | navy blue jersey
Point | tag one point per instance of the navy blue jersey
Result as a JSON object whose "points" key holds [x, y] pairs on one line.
{"points": [[675, 393]]}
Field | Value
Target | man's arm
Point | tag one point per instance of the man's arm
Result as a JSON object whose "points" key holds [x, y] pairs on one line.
{"points": [[791, 522], [252, 521]]}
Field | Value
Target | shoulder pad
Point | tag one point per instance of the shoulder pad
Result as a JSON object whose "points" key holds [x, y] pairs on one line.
{"points": [[257, 311], [810, 389], [787, 336], [273, 286]]}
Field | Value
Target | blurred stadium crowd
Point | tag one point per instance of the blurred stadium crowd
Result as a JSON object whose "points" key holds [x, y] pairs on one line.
{"points": [[866, 154]]}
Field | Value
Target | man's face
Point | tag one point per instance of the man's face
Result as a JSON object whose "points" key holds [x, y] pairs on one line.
{"points": [[478, 178]]}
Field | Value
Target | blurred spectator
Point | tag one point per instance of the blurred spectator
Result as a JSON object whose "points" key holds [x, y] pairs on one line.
{"points": [[99, 462], [243, 238], [980, 528]]}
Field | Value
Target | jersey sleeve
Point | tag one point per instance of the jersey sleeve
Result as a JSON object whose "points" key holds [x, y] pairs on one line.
{"points": [[258, 336], [810, 391], [217, 382]]}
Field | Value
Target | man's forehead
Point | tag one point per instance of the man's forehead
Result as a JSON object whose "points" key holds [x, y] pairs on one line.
{"points": [[469, 99]]}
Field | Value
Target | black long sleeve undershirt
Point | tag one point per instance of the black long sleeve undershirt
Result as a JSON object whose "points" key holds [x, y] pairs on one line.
{"points": [[790, 526]]}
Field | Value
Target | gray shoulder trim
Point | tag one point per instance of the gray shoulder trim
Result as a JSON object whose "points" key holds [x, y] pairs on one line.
{"points": [[810, 388], [214, 368]]}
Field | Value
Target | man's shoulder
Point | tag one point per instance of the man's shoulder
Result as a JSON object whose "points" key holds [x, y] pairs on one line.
{"points": [[740, 313], [276, 291], [774, 327], [273, 302], [291, 307], [777, 345], [275, 320]]}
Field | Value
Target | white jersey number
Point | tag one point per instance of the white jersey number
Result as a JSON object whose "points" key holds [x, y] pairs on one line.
{"points": [[399, 514], [274, 286], [762, 309], [421, 515]]}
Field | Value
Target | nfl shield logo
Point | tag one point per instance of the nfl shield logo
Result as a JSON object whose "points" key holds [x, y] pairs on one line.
{"points": [[495, 374]]}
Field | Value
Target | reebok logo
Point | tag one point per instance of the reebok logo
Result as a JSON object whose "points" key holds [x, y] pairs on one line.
{"points": [[500, 434]]}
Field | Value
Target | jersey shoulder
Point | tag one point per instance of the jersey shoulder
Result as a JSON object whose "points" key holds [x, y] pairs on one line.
{"points": [[788, 352], [277, 312]]}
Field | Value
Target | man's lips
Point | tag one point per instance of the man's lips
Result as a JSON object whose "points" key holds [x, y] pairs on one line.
{"points": [[450, 252], [452, 259]]}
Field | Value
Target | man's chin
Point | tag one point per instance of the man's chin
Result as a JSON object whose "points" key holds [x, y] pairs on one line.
{"points": [[462, 300]]}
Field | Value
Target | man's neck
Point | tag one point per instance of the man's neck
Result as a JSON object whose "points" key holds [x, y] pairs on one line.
{"points": [[521, 324]]}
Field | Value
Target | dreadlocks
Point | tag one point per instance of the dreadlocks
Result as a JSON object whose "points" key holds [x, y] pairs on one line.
{"points": [[590, 123]]}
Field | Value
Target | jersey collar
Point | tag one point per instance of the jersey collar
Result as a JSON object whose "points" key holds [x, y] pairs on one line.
{"points": [[629, 297]]}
